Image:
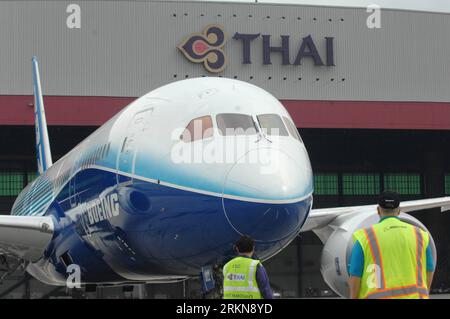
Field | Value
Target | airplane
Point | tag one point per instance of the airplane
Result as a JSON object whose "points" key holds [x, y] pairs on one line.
{"points": [[127, 205]]}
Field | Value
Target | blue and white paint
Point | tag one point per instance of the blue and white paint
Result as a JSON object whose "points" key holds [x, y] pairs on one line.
{"points": [[125, 211]]}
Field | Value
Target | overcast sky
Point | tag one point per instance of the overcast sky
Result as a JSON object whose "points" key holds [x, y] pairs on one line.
{"points": [[426, 5]]}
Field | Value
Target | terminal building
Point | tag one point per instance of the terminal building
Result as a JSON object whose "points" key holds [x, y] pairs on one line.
{"points": [[371, 102]]}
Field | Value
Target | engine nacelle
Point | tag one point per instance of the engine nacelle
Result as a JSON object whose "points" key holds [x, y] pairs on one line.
{"points": [[338, 245]]}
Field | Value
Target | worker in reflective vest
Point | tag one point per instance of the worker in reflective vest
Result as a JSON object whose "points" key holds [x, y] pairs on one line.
{"points": [[244, 277], [391, 259]]}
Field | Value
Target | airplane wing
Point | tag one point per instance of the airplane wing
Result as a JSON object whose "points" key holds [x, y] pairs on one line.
{"points": [[25, 237], [319, 218]]}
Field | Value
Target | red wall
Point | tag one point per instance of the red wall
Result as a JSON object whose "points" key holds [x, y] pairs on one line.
{"points": [[78, 110]]}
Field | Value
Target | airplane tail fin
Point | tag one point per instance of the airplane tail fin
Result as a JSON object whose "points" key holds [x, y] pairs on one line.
{"points": [[44, 156]]}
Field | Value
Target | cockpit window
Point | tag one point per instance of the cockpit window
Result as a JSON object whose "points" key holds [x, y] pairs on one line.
{"points": [[198, 129], [272, 124], [292, 129], [235, 124]]}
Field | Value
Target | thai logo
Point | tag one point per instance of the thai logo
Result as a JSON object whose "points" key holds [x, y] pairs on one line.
{"points": [[236, 277], [206, 48]]}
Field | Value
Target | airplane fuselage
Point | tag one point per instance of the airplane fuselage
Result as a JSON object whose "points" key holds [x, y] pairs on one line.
{"points": [[137, 201]]}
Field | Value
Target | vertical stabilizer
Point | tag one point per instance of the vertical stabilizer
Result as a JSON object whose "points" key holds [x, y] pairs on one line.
{"points": [[44, 156]]}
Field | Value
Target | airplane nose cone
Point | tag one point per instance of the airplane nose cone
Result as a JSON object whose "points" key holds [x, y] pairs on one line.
{"points": [[267, 194]]}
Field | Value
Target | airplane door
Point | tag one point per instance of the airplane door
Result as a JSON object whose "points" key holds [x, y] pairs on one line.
{"points": [[127, 156], [72, 193]]}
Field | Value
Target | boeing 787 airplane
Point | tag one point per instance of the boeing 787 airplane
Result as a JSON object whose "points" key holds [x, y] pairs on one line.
{"points": [[146, 199]]}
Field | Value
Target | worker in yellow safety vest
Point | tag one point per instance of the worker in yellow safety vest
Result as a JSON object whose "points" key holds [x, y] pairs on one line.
{"points": [[244, 277], [391, 259]]}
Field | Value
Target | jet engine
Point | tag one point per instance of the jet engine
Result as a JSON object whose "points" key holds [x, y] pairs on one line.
{"points": [[338, 244]]}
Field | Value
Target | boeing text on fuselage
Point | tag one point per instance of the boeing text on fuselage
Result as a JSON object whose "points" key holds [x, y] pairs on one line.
{"points": [[101, 209]]}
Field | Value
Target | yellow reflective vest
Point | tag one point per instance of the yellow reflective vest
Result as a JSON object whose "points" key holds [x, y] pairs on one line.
{"points": [[394, 260], [239, 279]]}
